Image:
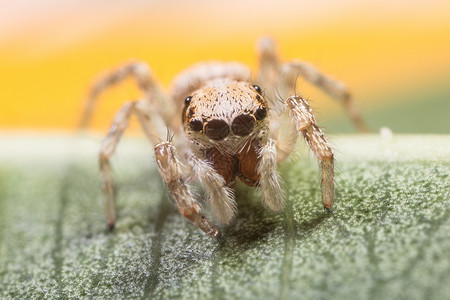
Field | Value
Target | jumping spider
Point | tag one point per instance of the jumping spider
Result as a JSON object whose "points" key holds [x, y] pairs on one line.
{"points": [[228, 129]]}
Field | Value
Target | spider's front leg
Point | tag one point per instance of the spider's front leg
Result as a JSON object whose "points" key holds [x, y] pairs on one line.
{"points": [[305, 123], [169, 167], [221, 197], [269, 180]]}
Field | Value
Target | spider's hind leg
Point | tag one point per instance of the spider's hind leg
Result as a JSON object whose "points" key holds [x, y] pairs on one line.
{"points": [[278, 79], [149, 87], [109, 145], [336, 89]]}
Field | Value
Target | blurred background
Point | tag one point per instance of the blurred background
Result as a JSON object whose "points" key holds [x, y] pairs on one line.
{"points": [[394, 55]]}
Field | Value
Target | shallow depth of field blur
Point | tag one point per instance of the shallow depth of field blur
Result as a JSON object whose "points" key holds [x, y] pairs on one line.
{"points": [[394, 55]]}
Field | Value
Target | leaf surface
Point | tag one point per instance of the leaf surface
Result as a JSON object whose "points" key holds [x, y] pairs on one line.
{"points": [[388, 237]]}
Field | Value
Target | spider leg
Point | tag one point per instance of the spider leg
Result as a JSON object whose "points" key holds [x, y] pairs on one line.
{"points": [[305, 123], [120, 123], [279, 79], [109, 145], [169, 167], [269, 65], [269, 180], [221, 197], [146, 83], [289, 73]]}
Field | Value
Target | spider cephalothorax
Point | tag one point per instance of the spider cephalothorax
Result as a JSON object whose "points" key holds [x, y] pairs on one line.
{"points": [[223, 108], [224, 120], [228, 130]]}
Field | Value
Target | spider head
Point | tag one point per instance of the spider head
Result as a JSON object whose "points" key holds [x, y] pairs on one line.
{"points": [[225, 111]]}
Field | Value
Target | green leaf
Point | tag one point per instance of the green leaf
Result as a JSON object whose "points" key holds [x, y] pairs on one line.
{"points": [[388, 237]]}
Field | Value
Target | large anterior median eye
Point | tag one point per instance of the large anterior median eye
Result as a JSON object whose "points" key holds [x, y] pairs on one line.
{"points": [[217, 129], [243, 124]]}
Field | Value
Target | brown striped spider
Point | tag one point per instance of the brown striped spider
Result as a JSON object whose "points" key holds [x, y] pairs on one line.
{"points": [[228, 130]]}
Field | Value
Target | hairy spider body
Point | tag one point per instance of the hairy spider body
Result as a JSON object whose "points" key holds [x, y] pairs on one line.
{"points": [[224, 121], [228, 130]]}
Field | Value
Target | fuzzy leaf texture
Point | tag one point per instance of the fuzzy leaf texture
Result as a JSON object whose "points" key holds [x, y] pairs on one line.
{"points": [[388, 237]]}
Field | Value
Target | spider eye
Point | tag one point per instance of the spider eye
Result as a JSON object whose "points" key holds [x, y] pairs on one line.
{"points": [[260, 113], [196, 125], [243, 125], [257, 88], [187, 100], [217, 129]]}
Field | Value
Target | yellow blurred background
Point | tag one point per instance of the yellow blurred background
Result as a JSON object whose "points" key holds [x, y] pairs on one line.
{"points": [[387, 52]]}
